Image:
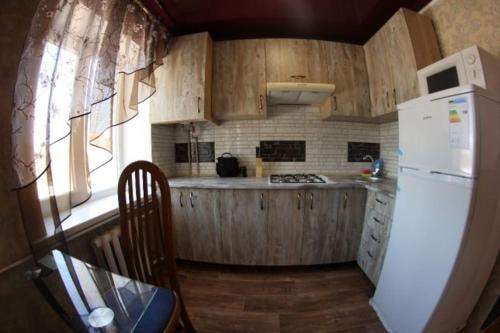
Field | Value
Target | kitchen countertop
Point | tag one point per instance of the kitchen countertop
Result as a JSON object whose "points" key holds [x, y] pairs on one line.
{"points": [[386, 186]]}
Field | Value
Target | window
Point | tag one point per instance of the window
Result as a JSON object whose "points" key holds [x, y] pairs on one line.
{"points": [[131, 140], [61, 97], [75, 124]]}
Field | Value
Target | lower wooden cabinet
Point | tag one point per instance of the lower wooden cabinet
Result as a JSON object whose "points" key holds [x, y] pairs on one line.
{"points": [[320, 226], [182, 235], [350, 224], [196, 229], [314, 226], [285, 223], [332, 224], [376, 233], [268, 227], [242, 217]]}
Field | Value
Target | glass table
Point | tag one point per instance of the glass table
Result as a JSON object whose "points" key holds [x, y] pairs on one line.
{"points": [[91, 299]]}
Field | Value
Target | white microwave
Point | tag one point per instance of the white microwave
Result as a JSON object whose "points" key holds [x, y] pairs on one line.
{"points": [[470, 66]]}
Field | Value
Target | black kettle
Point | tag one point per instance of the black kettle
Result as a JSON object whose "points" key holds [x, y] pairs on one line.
{"points": [[227, 166]]}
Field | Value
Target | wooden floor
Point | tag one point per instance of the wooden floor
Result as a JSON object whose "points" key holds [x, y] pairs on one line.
{"points": [[226, 299]]}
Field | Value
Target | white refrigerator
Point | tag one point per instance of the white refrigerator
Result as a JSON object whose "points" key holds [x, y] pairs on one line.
{"points": [[445, 235]]}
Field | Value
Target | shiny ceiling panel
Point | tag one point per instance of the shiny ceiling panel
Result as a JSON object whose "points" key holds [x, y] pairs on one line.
{"points": [[352, 21]]}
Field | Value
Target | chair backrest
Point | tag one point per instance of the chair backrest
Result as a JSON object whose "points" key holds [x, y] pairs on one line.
{"points": [[146, 224]]}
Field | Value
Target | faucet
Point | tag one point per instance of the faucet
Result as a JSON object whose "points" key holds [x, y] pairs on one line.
{"points": [[369, 157]]}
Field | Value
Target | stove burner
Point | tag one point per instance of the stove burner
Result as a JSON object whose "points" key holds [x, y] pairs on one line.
{"points": [[296, 178]]}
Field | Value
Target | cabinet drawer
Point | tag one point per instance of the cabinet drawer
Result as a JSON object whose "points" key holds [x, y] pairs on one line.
{"points": [[367, 262], [376, 222], [376, 229], [370, 244], [375, 235], [381, 203]]}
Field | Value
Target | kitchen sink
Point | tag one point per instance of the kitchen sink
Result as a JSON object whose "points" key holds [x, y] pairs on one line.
{"points": [[369, 179]]}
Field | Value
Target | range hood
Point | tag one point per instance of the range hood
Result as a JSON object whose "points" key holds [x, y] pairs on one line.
{"points": [[293, 93]]}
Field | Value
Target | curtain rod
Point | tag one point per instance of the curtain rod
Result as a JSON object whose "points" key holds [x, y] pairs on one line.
{"points": [[148, 12], [169, 23]]}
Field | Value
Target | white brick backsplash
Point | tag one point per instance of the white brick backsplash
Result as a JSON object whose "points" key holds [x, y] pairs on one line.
{"points": [[163, 153], [389, 145], [326, 142]]}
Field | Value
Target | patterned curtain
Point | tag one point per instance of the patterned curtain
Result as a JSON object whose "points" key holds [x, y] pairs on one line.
{"points": [[85, 67]]}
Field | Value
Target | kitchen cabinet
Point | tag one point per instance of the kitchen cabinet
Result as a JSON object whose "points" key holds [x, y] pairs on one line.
{"points": [[242, 215], [320, 223], [405, 44], [376, 232], [284, 227], [379, 72], [324, 226], [239, 80], [180, 223], [346, 68], [351, 212], [196, 228], [295, 60], [203, 227], [268, 227], [184, 81]]}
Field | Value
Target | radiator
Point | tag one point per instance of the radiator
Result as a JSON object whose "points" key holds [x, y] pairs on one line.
{"points": [[108, 251]]}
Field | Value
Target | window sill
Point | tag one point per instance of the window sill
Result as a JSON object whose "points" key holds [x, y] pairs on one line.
{"points": [[86, 216]]}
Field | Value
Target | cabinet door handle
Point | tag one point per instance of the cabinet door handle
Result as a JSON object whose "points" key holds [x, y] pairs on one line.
{"points": [[198, 103], [191, 199], [262, 201], [394, 96], [369, 254], [377, 220], [311, 197], [374, 238], [381, 202], [335, 103], [346, 198], [261, 102], [387, 99], [180, 200], [298, 76], [299, 197]]}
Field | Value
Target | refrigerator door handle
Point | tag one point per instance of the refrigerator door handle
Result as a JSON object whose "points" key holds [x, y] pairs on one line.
{"points": [[441, 176], [432, 172], [409, 168]]}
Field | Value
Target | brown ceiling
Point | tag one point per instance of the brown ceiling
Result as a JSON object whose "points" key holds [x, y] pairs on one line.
{"points": [[352, 21]]}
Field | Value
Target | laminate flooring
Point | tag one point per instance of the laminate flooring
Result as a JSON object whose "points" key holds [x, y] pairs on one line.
{"points": [[331, 298]]}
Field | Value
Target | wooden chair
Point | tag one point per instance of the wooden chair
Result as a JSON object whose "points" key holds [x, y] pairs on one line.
{"points": [[147, 232]]}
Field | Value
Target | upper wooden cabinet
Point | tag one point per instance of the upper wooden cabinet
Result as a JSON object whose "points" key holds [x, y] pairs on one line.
{"points": [[295, 60], [183, 83], [370, 81], [346, 68], [379, 72], [405, 44], [239, 80]]}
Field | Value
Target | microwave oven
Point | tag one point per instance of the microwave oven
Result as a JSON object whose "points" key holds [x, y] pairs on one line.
{"points": [[470, 66]]}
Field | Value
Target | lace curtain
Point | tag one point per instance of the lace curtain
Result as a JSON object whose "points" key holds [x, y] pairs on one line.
{"points": [[85, 67]]}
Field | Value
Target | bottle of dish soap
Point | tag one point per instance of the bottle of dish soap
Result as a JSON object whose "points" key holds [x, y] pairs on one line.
{"points": [[258, 163]]}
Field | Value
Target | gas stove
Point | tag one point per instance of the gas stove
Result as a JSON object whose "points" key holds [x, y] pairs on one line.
{"points": [[296, 179]]}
